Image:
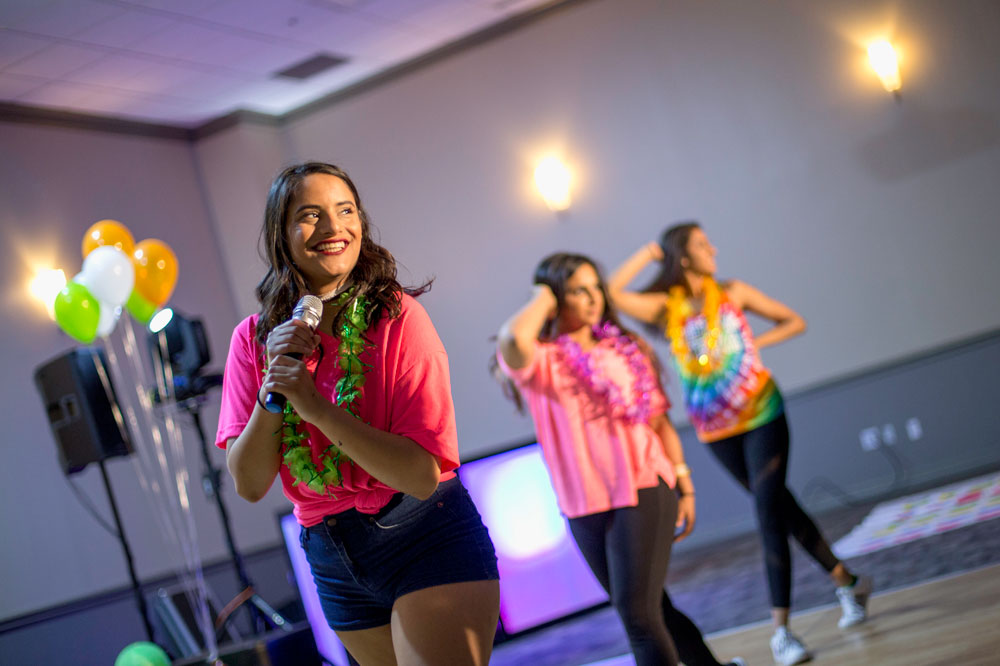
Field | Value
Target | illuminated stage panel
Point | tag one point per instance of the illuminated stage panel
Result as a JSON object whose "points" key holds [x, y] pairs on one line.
{"points": [[542, 575], [329, 646]]}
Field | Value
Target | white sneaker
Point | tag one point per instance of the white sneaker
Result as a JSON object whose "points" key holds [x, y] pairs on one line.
{"points": [[854, 602], [787, 649]]}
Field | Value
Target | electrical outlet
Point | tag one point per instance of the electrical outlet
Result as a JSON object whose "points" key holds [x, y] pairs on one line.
{"points": [[870, 439], [889, 434]]}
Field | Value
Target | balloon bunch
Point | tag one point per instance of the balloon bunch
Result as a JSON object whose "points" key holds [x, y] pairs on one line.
{"points": [[116, 272]]}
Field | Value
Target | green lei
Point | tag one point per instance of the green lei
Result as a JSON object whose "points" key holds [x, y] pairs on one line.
{"points": [[295, 450]]}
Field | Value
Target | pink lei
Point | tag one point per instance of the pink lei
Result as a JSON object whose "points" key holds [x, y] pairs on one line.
{"points": [[583, 367]]}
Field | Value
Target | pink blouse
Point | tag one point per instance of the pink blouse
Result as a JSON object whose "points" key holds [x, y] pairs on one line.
{"points": [[596, 461], [407, 392]]}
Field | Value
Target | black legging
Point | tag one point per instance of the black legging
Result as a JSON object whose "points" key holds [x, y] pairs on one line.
{"points": [[628, 550], [758, 459]]}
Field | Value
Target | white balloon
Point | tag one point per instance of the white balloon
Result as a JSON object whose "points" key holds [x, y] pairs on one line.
{"points": [[109, 315], [108, 273]]}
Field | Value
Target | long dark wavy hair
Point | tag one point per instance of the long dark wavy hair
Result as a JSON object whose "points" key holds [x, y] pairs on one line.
{"points": [[674, 242], [554, 271], [374, 276]]}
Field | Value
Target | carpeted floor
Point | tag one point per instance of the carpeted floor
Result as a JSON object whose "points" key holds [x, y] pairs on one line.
{"points": [[722, 586]]}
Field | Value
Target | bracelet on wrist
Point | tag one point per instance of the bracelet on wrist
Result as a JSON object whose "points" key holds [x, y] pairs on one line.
{"points": [[682, 470]]}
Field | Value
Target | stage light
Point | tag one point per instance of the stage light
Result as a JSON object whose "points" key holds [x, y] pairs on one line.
{"points": [[543, 576], [46, 285], [184, 342], [885, 62], [521, 528], [552, 178], [160, 320]]}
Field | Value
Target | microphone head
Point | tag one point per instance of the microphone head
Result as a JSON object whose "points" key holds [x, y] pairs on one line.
{"points": [[309, 309]]}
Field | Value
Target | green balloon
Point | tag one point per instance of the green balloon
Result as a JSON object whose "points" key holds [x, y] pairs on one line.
{"points": [[140, 308], [142, 653], [77, 312]]}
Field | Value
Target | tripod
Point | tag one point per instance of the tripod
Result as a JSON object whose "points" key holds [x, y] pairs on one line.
{"points": [[261, 613]]}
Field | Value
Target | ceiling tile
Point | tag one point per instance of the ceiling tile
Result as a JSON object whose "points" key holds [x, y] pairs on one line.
{"points": [[15, 46], [13, 86], [59, 95], [114, 70], [222, 49], [299, 23], [186, 84], [124, 29], [185, 7], [63, 18], [419, 13], [55, 61], [12, 11], [187, 61]]}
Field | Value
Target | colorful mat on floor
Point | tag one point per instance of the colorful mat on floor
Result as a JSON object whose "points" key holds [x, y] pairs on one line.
{"points": [[922, 515]]}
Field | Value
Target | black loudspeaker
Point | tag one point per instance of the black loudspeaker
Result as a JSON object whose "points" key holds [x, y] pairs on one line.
{"points": [[82, 408]]}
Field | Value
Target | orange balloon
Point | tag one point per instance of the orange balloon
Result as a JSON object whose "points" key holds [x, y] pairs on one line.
{"points": [[108, 232], [155, 270]]}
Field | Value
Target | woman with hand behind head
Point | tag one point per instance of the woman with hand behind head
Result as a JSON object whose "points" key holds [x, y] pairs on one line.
{"points": [[614, 459], [366, 447]]}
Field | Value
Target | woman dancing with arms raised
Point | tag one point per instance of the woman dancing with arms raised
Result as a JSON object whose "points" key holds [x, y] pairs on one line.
{"points": [[734, 404]]}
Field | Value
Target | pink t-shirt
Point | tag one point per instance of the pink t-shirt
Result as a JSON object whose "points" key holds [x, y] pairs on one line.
{"points": [[597, 461], [407, 392]]}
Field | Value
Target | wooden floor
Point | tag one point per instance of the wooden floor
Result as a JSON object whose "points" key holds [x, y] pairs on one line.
{"points": [[950, 621]]}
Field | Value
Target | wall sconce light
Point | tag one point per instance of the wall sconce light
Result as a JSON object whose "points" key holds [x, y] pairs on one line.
{"points": [[552, 179], [883, 59], [46, 285]]}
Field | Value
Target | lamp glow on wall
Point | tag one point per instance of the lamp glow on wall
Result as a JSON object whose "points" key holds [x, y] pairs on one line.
{"points": [[885, 62], [553, 178], [46, 285]]}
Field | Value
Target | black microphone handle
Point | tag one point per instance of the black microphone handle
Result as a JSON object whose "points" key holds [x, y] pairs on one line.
{"points": [[275, 402]]}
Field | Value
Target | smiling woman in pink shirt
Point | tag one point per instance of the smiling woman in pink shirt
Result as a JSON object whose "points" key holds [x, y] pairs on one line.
{"points": [[366, 447], [615, 460]]}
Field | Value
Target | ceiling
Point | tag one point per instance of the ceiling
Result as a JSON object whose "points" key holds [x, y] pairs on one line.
{"points": [[187, 62]]}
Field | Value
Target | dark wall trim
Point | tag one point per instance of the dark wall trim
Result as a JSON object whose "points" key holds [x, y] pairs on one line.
{"points": [[18, 113], [67, 119], [125, 593], [890, 366], [233, 119]]}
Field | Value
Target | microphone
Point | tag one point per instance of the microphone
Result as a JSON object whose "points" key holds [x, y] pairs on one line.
{"points": [[310, 310]]}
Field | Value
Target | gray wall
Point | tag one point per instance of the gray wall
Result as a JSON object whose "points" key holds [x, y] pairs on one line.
{"points": [[55, 184], [876, 220]]}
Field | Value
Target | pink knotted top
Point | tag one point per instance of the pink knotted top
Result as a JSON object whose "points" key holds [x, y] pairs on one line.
{"points": [[597, 460]]}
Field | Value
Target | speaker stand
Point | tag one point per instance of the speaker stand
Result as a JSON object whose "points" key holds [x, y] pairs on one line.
{"points": [[261, 614], [136, 588]]}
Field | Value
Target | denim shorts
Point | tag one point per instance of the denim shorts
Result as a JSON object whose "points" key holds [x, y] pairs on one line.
{"points": [[362, 563]]}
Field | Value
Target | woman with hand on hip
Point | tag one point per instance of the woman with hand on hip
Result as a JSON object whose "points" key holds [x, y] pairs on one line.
{"points": [[734, 404], [366, 447], [613, 457]]}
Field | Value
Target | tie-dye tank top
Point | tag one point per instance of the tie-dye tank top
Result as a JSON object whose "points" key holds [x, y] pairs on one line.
{"points": [[733, 393]]}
